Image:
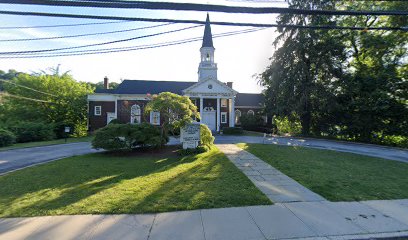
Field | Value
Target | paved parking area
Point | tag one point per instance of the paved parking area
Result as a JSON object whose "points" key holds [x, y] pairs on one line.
{"points": [[313, 220]]}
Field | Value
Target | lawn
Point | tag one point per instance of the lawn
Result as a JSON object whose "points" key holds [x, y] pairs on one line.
{"points": [[337, 176], [139, 183], [46, 143]]}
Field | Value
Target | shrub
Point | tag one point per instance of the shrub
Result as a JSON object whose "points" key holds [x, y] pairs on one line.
{"points": [[7, 138], [284, 125], [232, 130], [115, 137], [191, 151], [114, 121], [206, 137], [33, 131], [252, 122]]}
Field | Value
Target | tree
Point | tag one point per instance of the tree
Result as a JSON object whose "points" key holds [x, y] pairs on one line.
{"points": [[99, 85], [299, 80], [7, 76], [374, 94], [175, 110], [49, 98]]}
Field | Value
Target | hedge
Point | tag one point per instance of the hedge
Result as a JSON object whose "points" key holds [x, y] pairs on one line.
{"points": [[7, 138]]}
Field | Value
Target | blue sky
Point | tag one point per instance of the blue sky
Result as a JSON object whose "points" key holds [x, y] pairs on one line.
{"points": [[239, 57]]}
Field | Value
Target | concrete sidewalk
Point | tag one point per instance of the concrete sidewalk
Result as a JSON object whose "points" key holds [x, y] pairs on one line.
{"points": [[274, 184], [312, 220]]}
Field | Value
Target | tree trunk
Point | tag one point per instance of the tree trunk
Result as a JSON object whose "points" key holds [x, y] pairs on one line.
{"points": [[305, 122]]}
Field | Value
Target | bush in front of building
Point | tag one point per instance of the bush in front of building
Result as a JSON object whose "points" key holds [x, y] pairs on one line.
{"points": [[125, 137], [33, 131], [206, 137], [7, 138], [232, 130]]}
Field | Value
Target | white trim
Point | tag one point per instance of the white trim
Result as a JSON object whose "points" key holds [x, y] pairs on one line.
{"points": [[101, 97], [96, 109], [188, 90], [225, 117], [251, 112], [135, 114], [218, 114]]}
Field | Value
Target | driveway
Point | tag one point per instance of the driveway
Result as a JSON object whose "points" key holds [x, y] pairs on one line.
{"points": [[359, 148], [19, 158]]}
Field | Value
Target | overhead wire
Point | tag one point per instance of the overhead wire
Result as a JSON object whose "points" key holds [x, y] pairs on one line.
{"points": [[134, 48], [99, 44], [201, 7], [238, 24], [62, 25], [29, 88], [83, 35]]}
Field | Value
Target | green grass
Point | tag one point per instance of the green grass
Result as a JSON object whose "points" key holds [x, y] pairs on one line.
{"points": [[108, 184], [337, 176], [46, 143]]}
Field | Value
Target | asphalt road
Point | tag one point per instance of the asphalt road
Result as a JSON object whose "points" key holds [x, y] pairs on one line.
{"points": [[20, 158]]}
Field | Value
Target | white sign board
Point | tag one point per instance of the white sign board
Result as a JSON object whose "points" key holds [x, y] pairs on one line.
{"points": [[190, 135]]}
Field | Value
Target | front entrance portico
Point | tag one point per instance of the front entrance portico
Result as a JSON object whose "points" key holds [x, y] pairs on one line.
{"points": [[213, 97]]}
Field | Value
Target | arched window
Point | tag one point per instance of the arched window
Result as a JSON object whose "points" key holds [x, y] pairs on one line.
{"points": [[208, 57], [250, 112], [237, 116], [135, 114]]}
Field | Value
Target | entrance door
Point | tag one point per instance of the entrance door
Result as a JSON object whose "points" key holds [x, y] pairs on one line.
{"points": [[110, 116], [208, 118]]}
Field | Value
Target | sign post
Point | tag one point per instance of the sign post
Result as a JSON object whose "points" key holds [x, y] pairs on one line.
{"points": [[66, 130], [190, 135]]}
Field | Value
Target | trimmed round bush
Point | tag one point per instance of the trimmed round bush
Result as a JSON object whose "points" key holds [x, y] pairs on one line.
{"points": [[119, 137], [206, 136], [7, 138]]}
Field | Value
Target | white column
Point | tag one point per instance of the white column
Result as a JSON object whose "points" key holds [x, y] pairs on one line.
{"points": [[232, 112], [201, 108], [218, 114]]}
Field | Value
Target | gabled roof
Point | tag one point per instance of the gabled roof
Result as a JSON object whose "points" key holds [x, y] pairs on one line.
{"points": [[146, 86], [207, 39], [249, 99], [196, 84]]}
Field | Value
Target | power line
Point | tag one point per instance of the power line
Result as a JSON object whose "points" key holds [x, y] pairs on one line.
{"points": [[199, 7], [135, 48], [81, 16], [63, 25], [32, 89], [98, 44], [82, 35], [25, 98]]}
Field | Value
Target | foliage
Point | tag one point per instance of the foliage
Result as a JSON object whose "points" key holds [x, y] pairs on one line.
{"points": [[206, 137], [193, 151], [116, 137], [253, 122], [175, 110], [115, 121], [100, 85], [232, 130], [349, 84], [7, 138], [33, 131], [284, 125], [46, 97], [106, 184], [337, 176]]}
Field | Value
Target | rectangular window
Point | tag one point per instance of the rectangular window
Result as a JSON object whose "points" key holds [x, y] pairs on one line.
{"points": [[224, 102], [224, 117], [98, 110], [155, 118]]}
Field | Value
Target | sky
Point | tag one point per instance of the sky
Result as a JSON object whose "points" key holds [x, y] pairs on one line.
{"points": [[240, 58]]}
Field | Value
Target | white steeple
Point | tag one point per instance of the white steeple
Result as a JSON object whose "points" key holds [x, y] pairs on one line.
{"points": [[207, 68]]}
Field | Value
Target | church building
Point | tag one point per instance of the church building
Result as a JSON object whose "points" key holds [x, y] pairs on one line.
{"points": [[218, 103]]}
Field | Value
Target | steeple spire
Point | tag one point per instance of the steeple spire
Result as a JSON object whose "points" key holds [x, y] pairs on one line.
{"points": [[207, 39]]}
